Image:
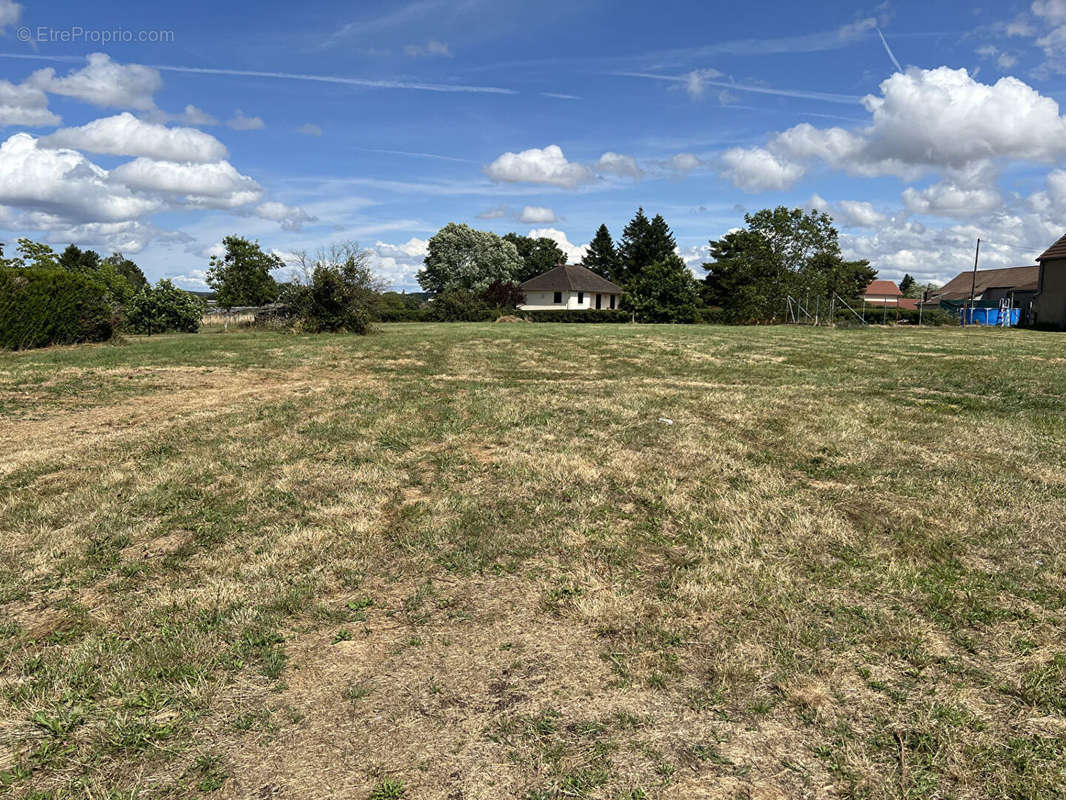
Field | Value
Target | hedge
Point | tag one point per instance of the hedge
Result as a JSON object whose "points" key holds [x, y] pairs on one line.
{"points": [[603, 315], [403, 315], [41, 307]]}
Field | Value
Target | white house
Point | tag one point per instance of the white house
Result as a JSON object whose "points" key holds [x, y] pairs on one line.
{"points": [[570, 287]]}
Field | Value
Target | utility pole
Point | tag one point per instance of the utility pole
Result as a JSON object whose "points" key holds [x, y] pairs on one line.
{"points": [[973, 283]]}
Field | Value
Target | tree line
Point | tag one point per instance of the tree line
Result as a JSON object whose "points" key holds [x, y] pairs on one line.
{"points": [[469, 274], [780, 253], [76, 295]]}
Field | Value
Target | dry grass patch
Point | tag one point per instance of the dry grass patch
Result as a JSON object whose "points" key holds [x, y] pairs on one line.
{"points": [[468, 561]]}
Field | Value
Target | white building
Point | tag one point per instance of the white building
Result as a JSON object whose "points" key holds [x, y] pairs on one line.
{"points": [[570, 287]]}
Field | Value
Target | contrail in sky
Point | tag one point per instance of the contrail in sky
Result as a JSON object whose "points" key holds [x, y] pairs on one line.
{"points": [[299, 76], [823, 96], [889, 51]]}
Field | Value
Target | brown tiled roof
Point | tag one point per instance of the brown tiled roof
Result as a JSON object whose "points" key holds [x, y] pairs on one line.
{"points": [[1020, 279], [883, 289], [1057, 250], [908, 302], [570, 278]]}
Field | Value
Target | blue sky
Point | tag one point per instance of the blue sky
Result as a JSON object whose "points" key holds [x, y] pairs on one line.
{"points": [[919, 126]]}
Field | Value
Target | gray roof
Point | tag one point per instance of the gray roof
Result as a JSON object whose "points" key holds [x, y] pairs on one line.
{"points": [[570, 278], [1018, 279]]}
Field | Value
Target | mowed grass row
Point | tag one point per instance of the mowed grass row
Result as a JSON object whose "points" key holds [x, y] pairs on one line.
{"points": [[472, 561]]}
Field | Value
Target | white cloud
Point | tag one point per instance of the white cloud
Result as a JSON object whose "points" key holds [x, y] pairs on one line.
{"points": [[126, 135], [398, 263], [924, 120], [546, 166], [947, 198], [1052, 11], [64, 184], [857, 214], [243, 122], [696, 81], [574, 253], [103, 82], [758, 170], [618, 164], [194, 116], [216, 185], [685, 162], [10, 13], [537, 215], [430, 48], [291, 218], [412, 248], [494, 213], [25, 106], [310, 129]]}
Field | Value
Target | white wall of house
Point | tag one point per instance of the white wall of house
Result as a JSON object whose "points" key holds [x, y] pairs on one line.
{"points": [[571, 301]]}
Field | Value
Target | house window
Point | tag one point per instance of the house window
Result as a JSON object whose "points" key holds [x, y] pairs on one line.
{"points": [[612, 300], [558, 298], [599, 301], [580, 298]]}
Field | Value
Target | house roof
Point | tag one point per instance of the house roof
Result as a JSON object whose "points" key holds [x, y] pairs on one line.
{"points": [[570, 278], [1019, 279], [1057, 250], [883, 289]]}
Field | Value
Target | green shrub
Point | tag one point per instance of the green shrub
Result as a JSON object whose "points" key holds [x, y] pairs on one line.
{"points": [[710, 315], [461, 306], [391, 314], [40, 306], [164, 308], [333, 299], [603, 315]]}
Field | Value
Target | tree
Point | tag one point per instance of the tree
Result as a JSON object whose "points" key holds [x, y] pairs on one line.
{"points": [[127, 269], [242, 276], [504, 295], [538, 255], [782, 252], [35, 254], [77, 260], [463, 258], [601, 256], [644, 242], [664, 291], [910, 287], [336, 291], [164, 308]]}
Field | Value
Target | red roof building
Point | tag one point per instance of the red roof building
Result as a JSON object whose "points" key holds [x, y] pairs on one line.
{"points": [[882, 293]]}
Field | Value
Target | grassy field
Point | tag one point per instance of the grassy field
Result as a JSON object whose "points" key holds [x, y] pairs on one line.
{"points": [[471, 561]]}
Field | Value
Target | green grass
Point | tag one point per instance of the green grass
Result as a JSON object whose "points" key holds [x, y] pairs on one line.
{"points": [[469, 560]]}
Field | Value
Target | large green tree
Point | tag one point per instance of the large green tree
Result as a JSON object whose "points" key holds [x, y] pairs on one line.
{"points": [[601, 256], [77, 260], [241, 277], [538, 255], [462, 258], [127, 269], [781, 252], [664, 291], [644, 242]]}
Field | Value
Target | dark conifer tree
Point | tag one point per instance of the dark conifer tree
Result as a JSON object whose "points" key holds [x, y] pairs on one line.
{"points": [[601, 257]]}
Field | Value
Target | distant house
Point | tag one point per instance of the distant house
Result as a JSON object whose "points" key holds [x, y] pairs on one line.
{"points": [[991, 288], [1050, 304], [570, 287], [882, 293]]}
